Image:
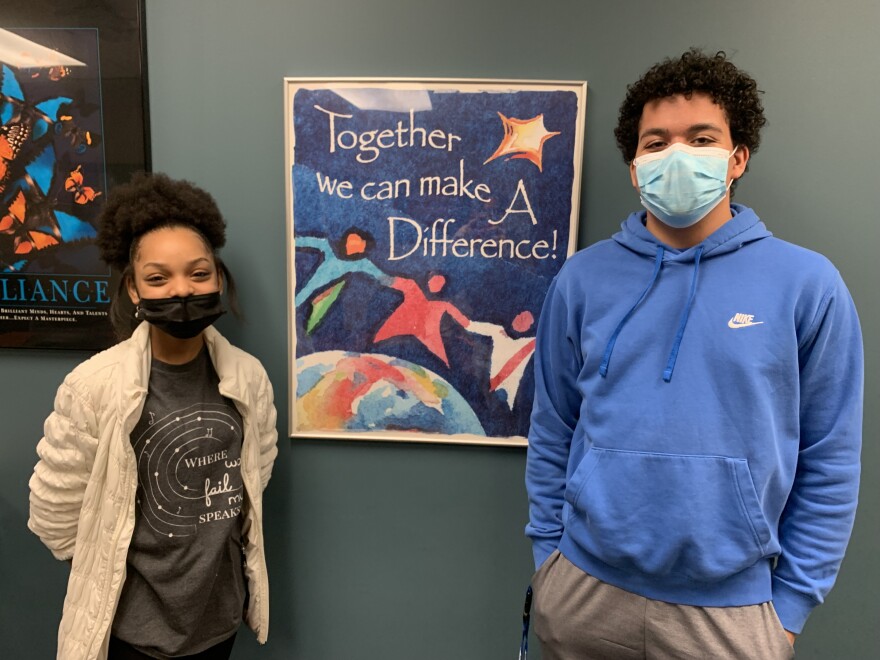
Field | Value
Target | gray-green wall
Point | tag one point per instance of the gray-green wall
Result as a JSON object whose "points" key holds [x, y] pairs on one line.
{"points": [[398, 551]]}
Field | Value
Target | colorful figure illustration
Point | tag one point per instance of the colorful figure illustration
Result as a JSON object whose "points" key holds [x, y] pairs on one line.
{"points": [[510, 356], [419, 317], [333, 268]]}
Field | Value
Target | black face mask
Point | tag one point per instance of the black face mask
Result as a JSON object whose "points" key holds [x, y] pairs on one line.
{"points": [[183, 318]]}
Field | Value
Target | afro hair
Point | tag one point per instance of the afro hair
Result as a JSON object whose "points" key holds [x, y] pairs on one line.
{"points": [[151, 201], [694, 71]]}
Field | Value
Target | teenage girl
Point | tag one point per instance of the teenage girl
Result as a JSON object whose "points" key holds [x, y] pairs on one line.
{"points": [[153, 463]]}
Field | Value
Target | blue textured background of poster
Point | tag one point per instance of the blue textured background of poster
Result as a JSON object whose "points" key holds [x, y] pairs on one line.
{"points": [[428, 220]]}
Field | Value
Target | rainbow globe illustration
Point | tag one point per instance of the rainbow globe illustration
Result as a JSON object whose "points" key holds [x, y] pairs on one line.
{"points": [[343, 391]]}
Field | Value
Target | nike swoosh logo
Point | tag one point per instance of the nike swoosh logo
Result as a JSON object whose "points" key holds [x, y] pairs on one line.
{"points": [[733, 324]]}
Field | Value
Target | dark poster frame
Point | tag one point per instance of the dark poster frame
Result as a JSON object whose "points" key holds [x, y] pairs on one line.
{"points": [[69, 323]]}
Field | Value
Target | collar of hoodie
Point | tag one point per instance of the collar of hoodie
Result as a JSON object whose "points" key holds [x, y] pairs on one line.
{"points": [[744, 227]]}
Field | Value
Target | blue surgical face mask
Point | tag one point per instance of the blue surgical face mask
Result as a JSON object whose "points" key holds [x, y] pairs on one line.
{"points": [[682, 184]]}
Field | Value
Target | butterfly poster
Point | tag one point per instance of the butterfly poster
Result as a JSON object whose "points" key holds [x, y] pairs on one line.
{"points": [[66, 115], [426, 221]]}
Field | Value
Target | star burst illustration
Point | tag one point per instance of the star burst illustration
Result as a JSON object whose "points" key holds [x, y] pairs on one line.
{"points": [[523, 138]]}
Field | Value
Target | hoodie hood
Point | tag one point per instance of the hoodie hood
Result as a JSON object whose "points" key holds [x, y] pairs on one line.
{"points": [[744, 227]]}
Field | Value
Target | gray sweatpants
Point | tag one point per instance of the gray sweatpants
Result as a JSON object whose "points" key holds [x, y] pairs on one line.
{"points": [[578, 617]]}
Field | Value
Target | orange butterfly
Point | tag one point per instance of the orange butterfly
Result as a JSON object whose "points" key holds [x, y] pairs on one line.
{"points": [[11, 138], [81, 194], [14, 223], [7, 153], [58, 72], [80, 138]]}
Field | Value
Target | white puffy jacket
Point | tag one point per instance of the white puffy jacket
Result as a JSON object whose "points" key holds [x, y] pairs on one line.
{"points": [[83, 487]]}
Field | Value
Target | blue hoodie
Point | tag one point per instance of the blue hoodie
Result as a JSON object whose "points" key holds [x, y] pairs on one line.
{"points": [[696, 428]]}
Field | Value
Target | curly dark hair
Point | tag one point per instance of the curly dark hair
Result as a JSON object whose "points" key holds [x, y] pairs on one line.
{"points": [[149, 202], [694, 71]]}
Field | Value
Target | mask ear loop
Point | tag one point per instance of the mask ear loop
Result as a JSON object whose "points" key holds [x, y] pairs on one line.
{"points": [[732, 179]]}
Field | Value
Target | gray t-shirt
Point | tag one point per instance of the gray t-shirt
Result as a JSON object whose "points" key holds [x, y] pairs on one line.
{"points": [[184, 589]]}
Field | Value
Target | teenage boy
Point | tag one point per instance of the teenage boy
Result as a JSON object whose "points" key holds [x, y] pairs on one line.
{"points": [[693, 457]]}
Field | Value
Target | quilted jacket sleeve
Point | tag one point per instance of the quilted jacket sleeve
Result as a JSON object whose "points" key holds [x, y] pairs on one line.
{"points": [[266, 427], [67, 453]]}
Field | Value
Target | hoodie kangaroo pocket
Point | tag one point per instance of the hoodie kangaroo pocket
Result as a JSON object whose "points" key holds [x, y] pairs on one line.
{"points": [[660, 514]]}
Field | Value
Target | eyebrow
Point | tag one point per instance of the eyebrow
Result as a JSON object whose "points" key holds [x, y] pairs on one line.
{"points": [[156, 264], [695, 128]]}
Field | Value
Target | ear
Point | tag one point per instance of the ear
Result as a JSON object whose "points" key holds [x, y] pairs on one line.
{"points": [[132, 291], [632, 175], [221, 281], [738, 162]]}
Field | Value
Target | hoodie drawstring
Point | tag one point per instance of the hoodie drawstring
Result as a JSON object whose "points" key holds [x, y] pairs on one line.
{"points": [[682, 324], [658, 261]]}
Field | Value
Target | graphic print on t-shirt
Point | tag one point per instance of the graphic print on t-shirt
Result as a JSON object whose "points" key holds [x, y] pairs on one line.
{"points": [[189, 468]]}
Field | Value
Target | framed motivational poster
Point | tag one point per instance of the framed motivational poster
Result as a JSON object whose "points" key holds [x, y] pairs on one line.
{"points": [[426, 220], [72, 125]]}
